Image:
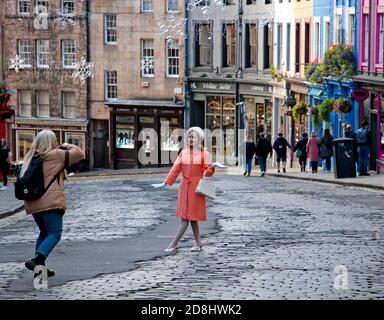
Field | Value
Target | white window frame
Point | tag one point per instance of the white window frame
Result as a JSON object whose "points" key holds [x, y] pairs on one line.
{"points": [[326, 42], [144, 73], [176, 58], [351, 28], [19, 102], [108, 76], [65, 116], [25, 132], [64, 54], [107, 28], [77, 135], [22, 54], [19, 13], [177, 6], [146, 10], [63, 6], [316, 54], [39, 54], [380, 45], [38, 104]]}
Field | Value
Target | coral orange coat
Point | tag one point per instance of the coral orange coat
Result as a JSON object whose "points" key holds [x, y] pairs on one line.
{"points": [[192, 165]]}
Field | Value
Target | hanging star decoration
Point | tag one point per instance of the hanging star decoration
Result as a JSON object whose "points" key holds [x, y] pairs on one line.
{"points": [[83, 70], [147, 64], [64, 17], [16, 63], [172, 26]]}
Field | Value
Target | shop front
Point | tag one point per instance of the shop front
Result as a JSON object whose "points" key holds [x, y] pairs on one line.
{"points": [[370, 96], [258, 110], [24, 132], [294, 128], [213, 107], [145, 133]]}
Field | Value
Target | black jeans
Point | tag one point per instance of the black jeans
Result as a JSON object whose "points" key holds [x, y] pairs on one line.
{"points": [[4, 168], [328, 163], [314, 166], [303, 163]]}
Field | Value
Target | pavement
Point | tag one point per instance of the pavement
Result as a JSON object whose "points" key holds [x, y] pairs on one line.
{"points": [[9, 205], [264, 239]]}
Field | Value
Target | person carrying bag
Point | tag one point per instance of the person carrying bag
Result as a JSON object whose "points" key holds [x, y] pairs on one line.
{"points": [[194, 164]]}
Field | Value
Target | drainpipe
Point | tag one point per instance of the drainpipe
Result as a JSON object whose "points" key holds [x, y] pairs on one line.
{"points": [[187, 93], [90, 141], [239, 72]]}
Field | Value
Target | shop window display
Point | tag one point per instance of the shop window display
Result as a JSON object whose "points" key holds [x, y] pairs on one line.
{"points": [[170, 134], [24, 141], [76, 139], [125, 132]]}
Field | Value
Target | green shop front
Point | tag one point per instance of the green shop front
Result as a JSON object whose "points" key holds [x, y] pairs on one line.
{"points": [[258, 109], [213, 107]]}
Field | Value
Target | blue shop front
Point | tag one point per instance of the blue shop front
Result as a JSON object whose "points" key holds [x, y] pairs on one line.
{"points": [[334, 89]]}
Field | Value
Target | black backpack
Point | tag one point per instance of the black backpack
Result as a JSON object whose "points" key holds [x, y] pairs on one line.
{"points": [[31, 185]]}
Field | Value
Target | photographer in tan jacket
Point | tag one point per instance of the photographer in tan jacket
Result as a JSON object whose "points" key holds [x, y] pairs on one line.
{"points": [[48, 210]]}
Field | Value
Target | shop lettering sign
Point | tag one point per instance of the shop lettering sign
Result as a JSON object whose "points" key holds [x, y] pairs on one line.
{"points": [[212, 86]]}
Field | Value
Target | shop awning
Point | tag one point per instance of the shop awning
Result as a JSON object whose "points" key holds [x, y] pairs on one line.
{"points": [[145, 103], [316, 92], [54, 122]]}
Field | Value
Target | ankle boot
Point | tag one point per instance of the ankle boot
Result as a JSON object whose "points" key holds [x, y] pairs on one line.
{"points": [[39, 259]]}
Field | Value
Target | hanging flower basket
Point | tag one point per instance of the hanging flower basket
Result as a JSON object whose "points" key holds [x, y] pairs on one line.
{"points": [[325, 108], [299, 109], [315, 111], [344, 105]]}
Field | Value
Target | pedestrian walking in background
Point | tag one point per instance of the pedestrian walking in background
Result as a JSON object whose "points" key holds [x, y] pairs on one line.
{"points": [[280, 146], [301, 151], [363, 139], [313, 151], [5, 162], [250, 152], [348, 133], [326, 151], [263, 148], [48, 210], [193, 163]]}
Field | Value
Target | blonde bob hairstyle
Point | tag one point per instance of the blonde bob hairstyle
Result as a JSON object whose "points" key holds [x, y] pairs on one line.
{"points": [[44, 142]]}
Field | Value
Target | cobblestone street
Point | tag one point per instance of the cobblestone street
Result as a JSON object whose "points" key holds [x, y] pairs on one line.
{"points": [[266, 238]]}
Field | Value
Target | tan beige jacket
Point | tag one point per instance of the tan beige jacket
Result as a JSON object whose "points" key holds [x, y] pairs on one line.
{"points": [[54, 198]]}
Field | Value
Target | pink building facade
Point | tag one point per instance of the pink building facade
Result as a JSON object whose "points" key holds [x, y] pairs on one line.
{"points": [[371, 74]]}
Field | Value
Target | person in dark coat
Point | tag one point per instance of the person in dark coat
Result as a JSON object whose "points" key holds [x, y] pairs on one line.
{"points": [[363, 139], [348, 133], [263, 149], [326, 151], [250, 151], [280, 146], [4, 163], [302, 147]]}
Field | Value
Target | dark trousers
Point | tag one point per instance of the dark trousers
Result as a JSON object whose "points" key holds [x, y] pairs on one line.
{"points": [[249, 166], [363, 159], [314, 165], [303, 163], [5, 169], [328, 163]]}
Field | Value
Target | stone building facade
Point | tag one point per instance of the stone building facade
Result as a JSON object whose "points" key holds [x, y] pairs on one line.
{"points": [[49, 37], [138, 83]]}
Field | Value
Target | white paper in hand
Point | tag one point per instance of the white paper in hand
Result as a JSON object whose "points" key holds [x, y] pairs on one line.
{"points": [[218, 165], [159, 185]]}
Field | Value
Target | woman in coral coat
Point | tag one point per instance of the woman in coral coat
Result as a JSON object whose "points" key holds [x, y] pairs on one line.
{"points": [[193, 163], [313, 151]]}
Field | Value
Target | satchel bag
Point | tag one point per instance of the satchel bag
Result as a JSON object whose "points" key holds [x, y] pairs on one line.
{"points": [[299, 153], [206, 188]]}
